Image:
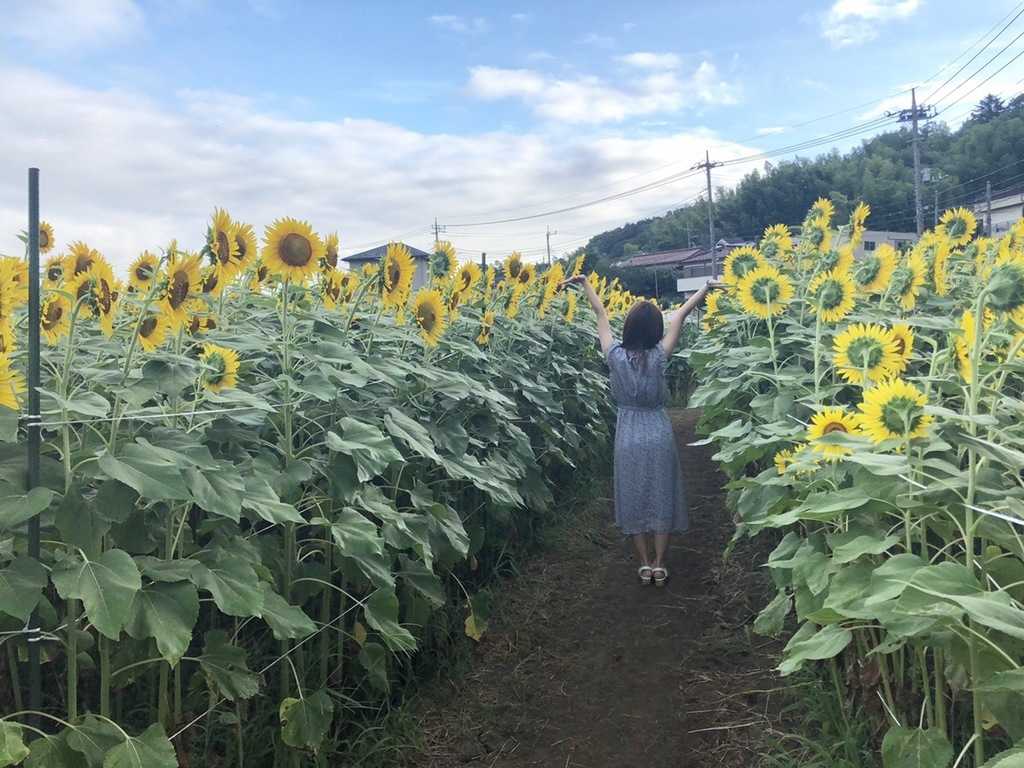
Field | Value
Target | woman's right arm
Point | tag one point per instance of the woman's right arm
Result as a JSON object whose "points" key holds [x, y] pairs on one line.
{"points": [[604, 328]]}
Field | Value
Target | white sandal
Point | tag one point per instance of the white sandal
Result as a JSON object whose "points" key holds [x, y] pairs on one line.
{"points": [[660, 576], [646, 573]]}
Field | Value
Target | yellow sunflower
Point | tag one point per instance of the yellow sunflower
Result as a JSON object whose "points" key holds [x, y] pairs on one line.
{"points": [[1006, 282], [223, 246], [329, 262], [492, 274], [143, 272], [183, 280], [526, 275], [863, 350], [822, 210], [331, 290], [514, 299], [221, 366], [54, 317], [764, 292], [245, 238], [200, 319], [369, 270], [348, 285], [13, 285], [104, 294], [46, 241], [876, 269], [210, 280], [570, 307], [399, 268], [817, 234], [940, 267], [513, 265], [429, 311], [292, 250], [908, 280], [776, 242], [985, 253], [486, 327], [963, 343], [152, 332], [78, 260], [833, 295], [739, 262], [466, 278], [8, 341], [712, 312], [958, 224], [783, 459], [894, 410], [826, 422], [12, 385], [904, 345], [840, 260], [857, 220], [446, 260], [53, 271], [577, 267]]}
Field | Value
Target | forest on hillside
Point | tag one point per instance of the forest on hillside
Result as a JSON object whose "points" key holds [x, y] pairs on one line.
{"points": [[988, 147]]}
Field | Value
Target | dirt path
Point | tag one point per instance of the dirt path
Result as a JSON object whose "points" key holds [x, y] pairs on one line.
{"points": [[585, 668]]}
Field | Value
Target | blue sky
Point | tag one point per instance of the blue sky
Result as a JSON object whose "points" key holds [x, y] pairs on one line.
{"points": [[373, 118]]}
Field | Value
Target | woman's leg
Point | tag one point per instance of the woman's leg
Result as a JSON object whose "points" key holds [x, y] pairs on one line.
{"points": [[660, 545], [640, 542]]}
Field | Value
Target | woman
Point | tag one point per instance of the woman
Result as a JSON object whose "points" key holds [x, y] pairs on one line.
{"points": [[649, 496]]}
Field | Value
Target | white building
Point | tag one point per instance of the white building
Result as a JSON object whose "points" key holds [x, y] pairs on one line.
{"points": [[1006, 211]]}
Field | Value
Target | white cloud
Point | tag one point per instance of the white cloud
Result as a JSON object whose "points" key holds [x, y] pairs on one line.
{"points": [[522, 18], [460, 24], [67, 24], [539, 56], [124, 172], [599, 41], [771, 130], [589, 99], [854, 22], [646, 60]]}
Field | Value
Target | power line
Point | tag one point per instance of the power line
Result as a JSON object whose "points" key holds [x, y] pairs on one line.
{"points": [[970, 77], [979, 85]]}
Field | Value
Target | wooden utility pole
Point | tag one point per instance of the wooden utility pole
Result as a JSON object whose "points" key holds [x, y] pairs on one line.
{"points": [[935, 222], [707, 165], [548, 235], [914, 115], [988, 209]]}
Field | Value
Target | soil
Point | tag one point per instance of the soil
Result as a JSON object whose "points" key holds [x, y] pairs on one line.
{"points": [[583, 667]]}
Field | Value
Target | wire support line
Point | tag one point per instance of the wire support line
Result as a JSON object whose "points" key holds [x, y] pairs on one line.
{"points": [[987, 79], [975, 73], [152, 415]]}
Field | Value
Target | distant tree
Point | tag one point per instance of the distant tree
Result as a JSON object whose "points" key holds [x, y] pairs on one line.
{"points": [[988, 109], [1016, 104]]}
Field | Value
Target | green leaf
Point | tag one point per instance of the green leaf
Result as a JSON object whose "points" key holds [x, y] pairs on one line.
{"points": [[366, 444], [226, 668], [79, 524], [286, 621], [381, 612], [261, 499], [304, 722], [412, 433], [12, 747], [151, 749], [158, 569], [1010, 758], [167, 613], [170, 375], [848, 550], [916, 748], [218, 490], [106, 586], [21, 586], [373, 657], [771, 620], [232, 582], [423, 580], [18, 509], [150, 472], [1011, 681], [87, 403], [479, 615], [823, 644]]}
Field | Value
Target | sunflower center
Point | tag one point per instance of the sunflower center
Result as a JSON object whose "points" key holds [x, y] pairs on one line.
{"points": [[901, 415], [956, 227], [901, 346], [295, 250], [865, 352], [104, 296], [210, 283], [394, 274], [147, 327], [243, 249], [426, 317], [333, 290], [331, 257], [52, 315], [514, 268], [44, 239], [464, 280], [770, 248], [223, 247], [766, 290], [831, 294], [144, 272], [53, 274], [261, 273], [829, 260], [82, 262], [744, 264], [834, 426], [869, 270], [179, 289], [816, 236]]}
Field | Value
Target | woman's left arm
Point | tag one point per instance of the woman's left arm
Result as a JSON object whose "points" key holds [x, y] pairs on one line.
{"points": [[675, 323]]}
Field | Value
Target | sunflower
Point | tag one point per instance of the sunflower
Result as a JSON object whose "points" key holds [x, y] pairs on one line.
{"points": [[445, 261], [765, 292], [245, 238], [78, 260], [200, 319], [223, 246], [54, 317], [398, 269], [739, 262], [292, 250], [876, 269], [940, 267], [210, 280], [348, 284], [46, 241], [183, 279], [894, 410], [152, 332], [822, 210], [513, 265], [840, 260], [104, 294], [258, 276], [776, 242], [466, 278], [12, 385], [577, 267], [552, 279], [221, 366], [429, 311], [570, 307], [486, 327], [369, 270], [963, 344], [908, 279], [985, 252], [526, 275], [783, 459], [329, 262], [834, 295], [1006, 282], [958, 224], [53, 271], [143, 272], [904, 345], [826, 422], [713, 312], [865, 351], [857, 219], [492, 274], [13, 286], [8, 341], [331, 291], [817, 234], [514, 299]]}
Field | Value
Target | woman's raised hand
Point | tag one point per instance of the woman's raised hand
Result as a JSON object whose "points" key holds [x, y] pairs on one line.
{"points": [[575, 280]]}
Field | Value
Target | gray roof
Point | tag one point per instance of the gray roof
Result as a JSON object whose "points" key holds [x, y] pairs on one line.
{"points": [[376, 254]]}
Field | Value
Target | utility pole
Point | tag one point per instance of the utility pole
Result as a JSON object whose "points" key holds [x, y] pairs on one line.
{"points": [[913, 116], [437, 231], [707, 165], [935, 222], [548, 235], [988, 209], [483, 261]]}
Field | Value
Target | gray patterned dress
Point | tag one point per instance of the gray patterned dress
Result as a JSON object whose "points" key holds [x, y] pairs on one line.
{"points": [[649, 495]]}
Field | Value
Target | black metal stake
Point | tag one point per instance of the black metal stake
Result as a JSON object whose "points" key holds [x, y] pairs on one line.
{"points": [[35, 697]]}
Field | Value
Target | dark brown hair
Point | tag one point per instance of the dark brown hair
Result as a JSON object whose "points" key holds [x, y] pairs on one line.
{"points": [[644, 327]]}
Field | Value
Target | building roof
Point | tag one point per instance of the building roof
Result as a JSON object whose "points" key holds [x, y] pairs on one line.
{"points": [[662, 258], [376, 254]]}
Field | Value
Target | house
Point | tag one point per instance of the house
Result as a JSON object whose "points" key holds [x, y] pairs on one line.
{"points": [[1006, 211], [874, 237], [422, 259], [699, 268]]}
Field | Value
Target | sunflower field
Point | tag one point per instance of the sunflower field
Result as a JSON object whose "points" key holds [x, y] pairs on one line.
{"points": [[868, 413], [268, 482]]}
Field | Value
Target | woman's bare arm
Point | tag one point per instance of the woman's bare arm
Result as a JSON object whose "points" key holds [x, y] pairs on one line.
{"points": [[604, 328], [675, 323]]}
